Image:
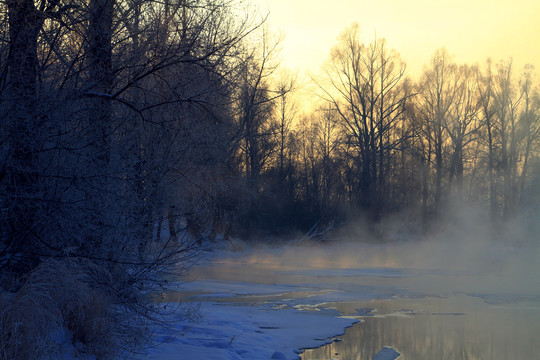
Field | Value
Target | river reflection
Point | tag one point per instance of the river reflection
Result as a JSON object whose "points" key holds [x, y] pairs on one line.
{"points": [[459, 327]]}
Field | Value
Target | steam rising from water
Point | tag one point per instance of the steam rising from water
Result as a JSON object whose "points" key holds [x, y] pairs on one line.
{"points": [[443, 285], [479, 259]]}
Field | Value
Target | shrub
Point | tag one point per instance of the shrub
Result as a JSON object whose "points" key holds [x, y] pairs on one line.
{"points": [[58, 294]]}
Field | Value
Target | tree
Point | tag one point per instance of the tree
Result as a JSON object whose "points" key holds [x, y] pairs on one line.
{"points": [[506, 103], [104, 123], [286, 112], [436, 95], [256, 102], [486, 99], [529, 124], [321, 143], [462, 123], [366, 86], [20, 143], [515, 129]]}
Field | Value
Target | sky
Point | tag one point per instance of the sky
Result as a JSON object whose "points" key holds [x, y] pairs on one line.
{"points": [[471, 30]]}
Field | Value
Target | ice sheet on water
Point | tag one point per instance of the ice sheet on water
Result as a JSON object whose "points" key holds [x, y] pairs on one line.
{"points": [[386, 353]]}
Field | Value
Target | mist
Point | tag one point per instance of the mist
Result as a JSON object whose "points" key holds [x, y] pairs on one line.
{"points": [[462, 252]]}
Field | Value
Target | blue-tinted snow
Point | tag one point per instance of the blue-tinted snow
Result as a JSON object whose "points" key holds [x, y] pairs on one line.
{"points": [[386, 353], [231, 331]]}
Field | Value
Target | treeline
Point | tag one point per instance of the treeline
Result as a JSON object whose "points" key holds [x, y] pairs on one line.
{"points": [[117, 124], [381, 143], [132, 130]]}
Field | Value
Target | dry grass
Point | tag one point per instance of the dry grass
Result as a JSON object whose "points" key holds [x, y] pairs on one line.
{"points": [[27, 319], [56, 295]]}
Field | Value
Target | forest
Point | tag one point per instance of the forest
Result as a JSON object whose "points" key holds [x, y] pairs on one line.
{"points": [[134, 131]]}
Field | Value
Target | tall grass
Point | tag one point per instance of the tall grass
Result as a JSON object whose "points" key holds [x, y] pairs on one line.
{"points": [[58, 294]]}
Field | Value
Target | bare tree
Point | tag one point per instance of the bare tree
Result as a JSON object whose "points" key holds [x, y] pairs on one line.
{"points": [[462, 123], [321, 142], [436, 95], [20, 117], [256, 102], [486, 99], [286, 112], [507, 101], [529, 124], [365, 84]]}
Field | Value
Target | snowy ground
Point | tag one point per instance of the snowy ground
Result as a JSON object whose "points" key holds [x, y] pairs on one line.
{"points": [[251, 321], [247, 332]]}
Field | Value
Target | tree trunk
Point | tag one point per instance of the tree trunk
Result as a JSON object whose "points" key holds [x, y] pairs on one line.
{"points": [[102, 208], [100, 75], [20, 180]]}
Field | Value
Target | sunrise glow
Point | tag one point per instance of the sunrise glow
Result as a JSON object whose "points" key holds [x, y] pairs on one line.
{"points": [[471, 30]]}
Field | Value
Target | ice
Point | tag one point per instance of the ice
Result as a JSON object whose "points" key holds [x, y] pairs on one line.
{"points": [[232, 331], [237, 288], [386, 353]]}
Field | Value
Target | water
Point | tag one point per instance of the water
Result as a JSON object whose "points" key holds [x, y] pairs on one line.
{"points": [[455, 327], [488, 310]]}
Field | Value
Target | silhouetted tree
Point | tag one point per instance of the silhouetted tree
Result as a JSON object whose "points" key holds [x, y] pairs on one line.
{"points": [[366, 85], [437, 94]]}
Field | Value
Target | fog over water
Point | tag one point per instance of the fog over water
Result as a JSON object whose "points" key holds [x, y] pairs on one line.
{"points": [[477, 257], [461, 291]]}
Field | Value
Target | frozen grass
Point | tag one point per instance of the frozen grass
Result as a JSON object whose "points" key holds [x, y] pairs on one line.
{"points": [[56, 295]]}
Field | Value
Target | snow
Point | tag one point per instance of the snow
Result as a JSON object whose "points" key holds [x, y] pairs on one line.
{"points": [[257, 319], [65, 349], [232, 331], [236, 288], [272, 303], [386, 353]]}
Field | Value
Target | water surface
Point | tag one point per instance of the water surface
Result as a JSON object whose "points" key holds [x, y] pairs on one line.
{"points": [[456, 327], [487, 310]]}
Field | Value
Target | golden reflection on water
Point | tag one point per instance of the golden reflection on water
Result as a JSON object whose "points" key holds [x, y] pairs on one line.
{"points": [[342, 257], [459, 327]]}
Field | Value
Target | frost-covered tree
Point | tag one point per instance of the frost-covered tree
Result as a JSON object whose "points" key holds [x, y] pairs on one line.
{"points": [[113, 124]]}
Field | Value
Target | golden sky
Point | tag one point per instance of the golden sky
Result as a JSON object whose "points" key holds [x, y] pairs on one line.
{"points": [[472, 30]]}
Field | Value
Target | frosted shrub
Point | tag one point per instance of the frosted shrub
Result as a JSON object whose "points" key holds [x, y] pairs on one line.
{"points": [[56, 296]]}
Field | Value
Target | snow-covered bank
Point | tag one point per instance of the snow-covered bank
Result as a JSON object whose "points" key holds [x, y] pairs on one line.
{"points": [[232, 331]]}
